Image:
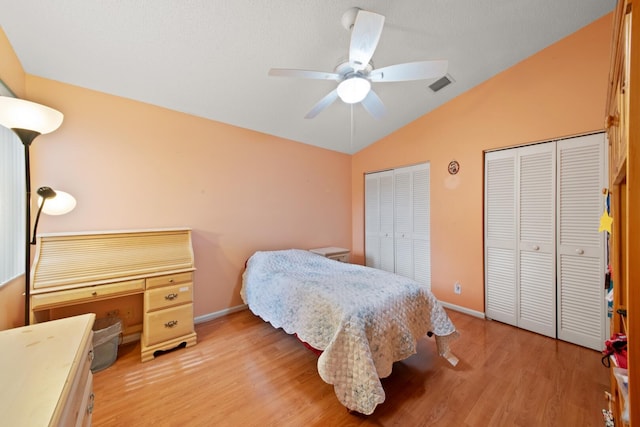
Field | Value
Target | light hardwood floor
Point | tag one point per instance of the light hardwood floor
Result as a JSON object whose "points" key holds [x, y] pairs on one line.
{"points": [[243, 372]]}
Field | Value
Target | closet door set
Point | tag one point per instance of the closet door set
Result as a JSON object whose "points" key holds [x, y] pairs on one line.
{"points": [[544, 254], [397, 233], [545, 257]]}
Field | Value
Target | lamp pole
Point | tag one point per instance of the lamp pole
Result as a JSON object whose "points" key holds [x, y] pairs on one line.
{"points": [[27, 136], [27, 236], [28, 120]]}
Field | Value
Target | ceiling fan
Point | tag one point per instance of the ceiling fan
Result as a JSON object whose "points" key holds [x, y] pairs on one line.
{"points": [[356, 75]]}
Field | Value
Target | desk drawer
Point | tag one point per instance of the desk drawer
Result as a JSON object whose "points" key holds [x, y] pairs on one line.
{"points": [[167, 324], [169, 280], [86, 294], [168, 296]]}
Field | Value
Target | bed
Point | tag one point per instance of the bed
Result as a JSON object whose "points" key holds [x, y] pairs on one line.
{"points": [[362, 319]]}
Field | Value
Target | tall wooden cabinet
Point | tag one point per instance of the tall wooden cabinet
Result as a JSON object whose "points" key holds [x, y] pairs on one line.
{"points": [[623, 127]]}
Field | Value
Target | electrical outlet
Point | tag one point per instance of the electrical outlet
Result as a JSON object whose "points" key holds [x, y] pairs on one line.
{"points": [[457, 288]]}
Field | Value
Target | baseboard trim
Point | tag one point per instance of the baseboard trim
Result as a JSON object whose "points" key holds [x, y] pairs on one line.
{"points": [[211, 316], [215, 315], [464, 310], [126, 339]]}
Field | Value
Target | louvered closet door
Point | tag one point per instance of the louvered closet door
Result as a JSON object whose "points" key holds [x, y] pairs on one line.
{"points": [[581, 309], [372, 221], [500, 236], [411, 224], [422, 225], [379, 251], [535, 224]]}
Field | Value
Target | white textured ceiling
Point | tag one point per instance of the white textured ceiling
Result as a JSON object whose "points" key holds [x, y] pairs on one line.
{"points": [[210, 58]]}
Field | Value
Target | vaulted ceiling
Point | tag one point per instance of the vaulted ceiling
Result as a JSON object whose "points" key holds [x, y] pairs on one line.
{"points": [[211, 58]]}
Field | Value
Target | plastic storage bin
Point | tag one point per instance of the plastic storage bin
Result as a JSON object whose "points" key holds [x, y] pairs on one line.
{"points": [[106, 338]]}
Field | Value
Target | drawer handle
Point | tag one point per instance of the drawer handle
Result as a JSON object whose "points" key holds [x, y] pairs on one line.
{"points": [[91, 355], [171, 297], [94, 293], [171, 324], [171, 280], [92, 398]]}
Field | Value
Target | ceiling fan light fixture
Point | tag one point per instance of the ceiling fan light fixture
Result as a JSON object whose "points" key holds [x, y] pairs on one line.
{"points": [[354, 89]]}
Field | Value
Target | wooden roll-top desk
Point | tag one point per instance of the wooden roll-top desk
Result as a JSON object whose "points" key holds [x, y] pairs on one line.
{"points": [[78, 269]]}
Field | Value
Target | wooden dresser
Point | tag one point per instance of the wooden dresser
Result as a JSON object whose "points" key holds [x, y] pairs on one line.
{"points": [[46, 373], [623, 128], [78, 269]]}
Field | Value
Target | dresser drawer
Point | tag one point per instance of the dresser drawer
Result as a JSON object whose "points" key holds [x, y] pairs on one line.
{"points": [[86, 294], [86, 408], [81, 407], [167, 324], [79, 396], [169, 279], [168, 296]]}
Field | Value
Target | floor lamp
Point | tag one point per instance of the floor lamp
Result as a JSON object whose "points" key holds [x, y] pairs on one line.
{"points": [[28, 120]]}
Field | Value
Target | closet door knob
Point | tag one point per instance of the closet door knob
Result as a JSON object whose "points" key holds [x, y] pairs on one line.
{"points": [[536, 247], [579, 251]]}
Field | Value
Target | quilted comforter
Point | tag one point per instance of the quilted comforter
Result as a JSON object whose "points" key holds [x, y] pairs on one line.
{"points": [[362, 318]]}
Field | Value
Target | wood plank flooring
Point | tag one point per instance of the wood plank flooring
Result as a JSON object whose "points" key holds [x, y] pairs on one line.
{"points": [[243, 372]]}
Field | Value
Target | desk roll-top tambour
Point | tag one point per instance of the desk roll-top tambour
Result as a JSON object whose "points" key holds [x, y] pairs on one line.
{"points": [[84, 267]]}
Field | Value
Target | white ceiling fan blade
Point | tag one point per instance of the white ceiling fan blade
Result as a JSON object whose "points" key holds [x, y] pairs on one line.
{"points": [[365, 36], [303, 74], [410, 71], [374, 106], [322, 104]]}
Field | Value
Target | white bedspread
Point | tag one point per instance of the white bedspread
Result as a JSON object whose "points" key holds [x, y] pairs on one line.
{"points": [[363, 318]]}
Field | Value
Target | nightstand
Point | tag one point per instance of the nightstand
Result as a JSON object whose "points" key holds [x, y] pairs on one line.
{"points": [[338, 254]]}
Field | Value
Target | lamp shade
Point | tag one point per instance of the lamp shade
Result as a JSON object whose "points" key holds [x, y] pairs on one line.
{"points": [[59, 204], [353, 89], [18, 113]]}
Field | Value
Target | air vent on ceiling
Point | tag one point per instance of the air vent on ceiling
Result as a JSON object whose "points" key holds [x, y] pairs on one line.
{"points": [[441, 82]]}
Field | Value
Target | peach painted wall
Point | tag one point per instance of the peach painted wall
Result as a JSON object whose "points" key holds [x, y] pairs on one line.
{"points": [[558, 92], [133, 165]]}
